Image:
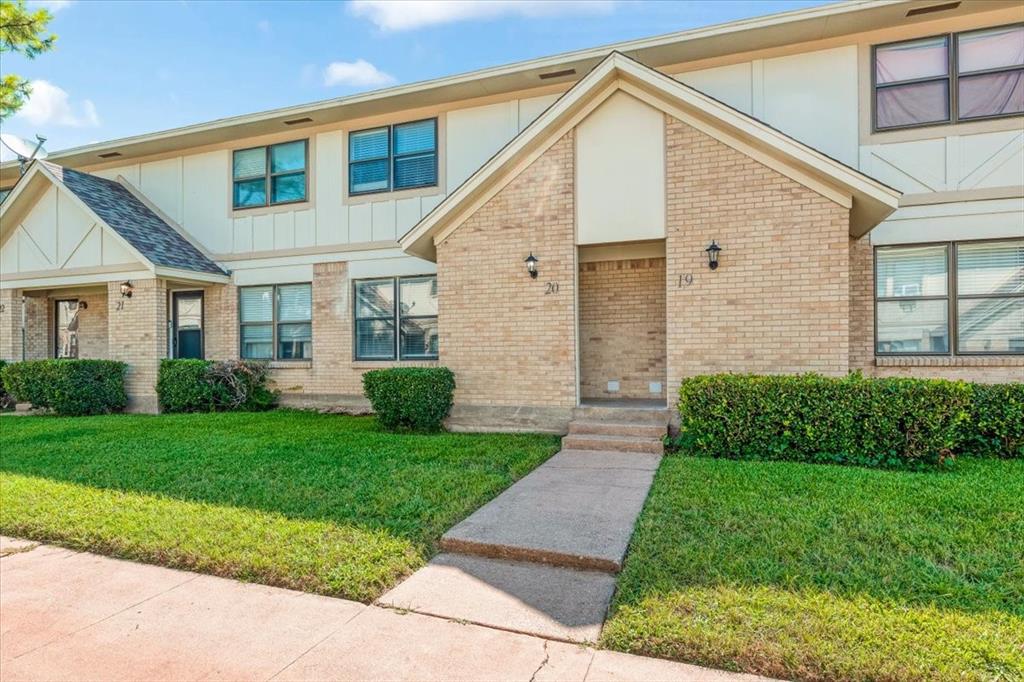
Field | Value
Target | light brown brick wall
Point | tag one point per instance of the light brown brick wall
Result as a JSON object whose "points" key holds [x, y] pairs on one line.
{"points": [[622, 327], [38, 328], [778, 303], [990, 369], [509, 342], [92, 325], [10, 325], [220, 335], [138, 337]]}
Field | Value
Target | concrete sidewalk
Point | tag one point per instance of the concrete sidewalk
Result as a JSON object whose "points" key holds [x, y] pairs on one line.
{"points": [[73, 616]]}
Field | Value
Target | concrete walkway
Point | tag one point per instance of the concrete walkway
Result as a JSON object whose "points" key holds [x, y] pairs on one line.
{"points": [[540, 558], [72, 616]]}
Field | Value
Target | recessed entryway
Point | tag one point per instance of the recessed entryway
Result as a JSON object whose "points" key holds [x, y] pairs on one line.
{"points": [[622, 322]]}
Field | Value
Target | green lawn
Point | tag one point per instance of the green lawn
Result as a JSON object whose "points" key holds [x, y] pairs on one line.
{"points": [[322, 503], [819, 572]]}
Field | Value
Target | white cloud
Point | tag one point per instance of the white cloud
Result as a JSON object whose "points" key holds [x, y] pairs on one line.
{"points": [[51, 105], [398, 15], [360, 73], [53, 5]]}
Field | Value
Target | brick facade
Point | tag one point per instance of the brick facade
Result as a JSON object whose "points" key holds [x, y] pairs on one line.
{"points": [[622, 327], [509, 341], [794, 293], [138, 336], [778, 302]]}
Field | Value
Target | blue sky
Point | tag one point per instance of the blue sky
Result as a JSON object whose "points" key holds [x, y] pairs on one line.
{"points": [[124, 68]]}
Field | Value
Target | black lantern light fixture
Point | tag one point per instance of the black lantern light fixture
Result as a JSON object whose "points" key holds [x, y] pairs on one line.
{"points": [[531, 265], [126, 289], [713, 251]]}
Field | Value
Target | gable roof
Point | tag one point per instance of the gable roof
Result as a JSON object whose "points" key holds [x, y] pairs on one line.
{"points": [[869, 200], [117, 209]]}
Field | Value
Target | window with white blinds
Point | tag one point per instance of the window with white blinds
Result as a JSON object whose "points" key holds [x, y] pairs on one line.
{"points": [[391, 158], [912, 299], [396, 317], [990, 297], [969, 292], [276, 322]]}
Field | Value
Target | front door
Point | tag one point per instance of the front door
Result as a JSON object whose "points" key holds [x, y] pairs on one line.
{"points": [[188, 324]]}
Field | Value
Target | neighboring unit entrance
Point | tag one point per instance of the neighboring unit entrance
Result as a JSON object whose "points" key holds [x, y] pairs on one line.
{"points": [[187, 336]]}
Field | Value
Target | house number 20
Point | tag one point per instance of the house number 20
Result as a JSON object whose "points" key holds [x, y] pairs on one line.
{"points": [[550, 288]]}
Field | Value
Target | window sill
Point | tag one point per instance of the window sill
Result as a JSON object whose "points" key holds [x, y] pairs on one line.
{"points": [[383, 364], [254, 211], [950, 361], [291, 364]]}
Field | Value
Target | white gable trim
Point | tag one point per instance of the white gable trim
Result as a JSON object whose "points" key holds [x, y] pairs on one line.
{"points": [[870, 201]]}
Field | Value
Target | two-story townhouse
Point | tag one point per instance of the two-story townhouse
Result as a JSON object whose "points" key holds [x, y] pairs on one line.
{"points": [[833, 189]]}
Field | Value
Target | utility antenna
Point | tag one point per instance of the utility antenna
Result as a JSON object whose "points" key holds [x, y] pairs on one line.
{"points": [[23, 149]]}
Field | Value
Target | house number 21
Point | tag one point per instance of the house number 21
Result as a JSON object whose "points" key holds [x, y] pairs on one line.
{"points": [[550, 288]]}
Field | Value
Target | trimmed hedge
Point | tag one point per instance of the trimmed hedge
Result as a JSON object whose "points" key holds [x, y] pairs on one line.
{"points": [[68, 387], [996, 428], [415, 398], [207, 386], [6, 399], [894, 423]]}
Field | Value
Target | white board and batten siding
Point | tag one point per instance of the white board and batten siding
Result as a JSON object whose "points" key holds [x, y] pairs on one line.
{"points": [[194, 190], [57, 234], [814, 96]]}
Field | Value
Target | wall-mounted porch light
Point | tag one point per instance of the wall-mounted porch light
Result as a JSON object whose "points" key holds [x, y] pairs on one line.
{"points": [[713, 254], [531, 265], [126, 289]]}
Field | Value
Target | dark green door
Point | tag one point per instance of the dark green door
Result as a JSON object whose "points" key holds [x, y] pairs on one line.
{"points": [[188, 324]]}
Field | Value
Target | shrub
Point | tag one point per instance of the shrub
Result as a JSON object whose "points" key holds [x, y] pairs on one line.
{"points": [[416, 398], [183, 386], [68, 387], [896, 423], [7, 401], [996, 427], [205, 386]]}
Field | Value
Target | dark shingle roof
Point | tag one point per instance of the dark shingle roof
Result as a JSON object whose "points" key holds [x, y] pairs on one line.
{"points": [[150, 234]]}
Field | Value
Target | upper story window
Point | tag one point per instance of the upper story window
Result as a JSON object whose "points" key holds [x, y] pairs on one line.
{"points": [[276, 322], [265, 176], [407, 305], [949, 78], [966, 296], [391, 158]]}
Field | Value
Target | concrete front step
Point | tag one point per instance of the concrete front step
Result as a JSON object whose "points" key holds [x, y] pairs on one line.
{"points": [[620, 415], [630, 444], [641, 430]]}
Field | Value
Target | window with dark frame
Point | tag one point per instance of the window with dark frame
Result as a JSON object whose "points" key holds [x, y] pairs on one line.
{"points": [[270, 175], [406, 305], [276, 322], [393, 158], [962, 298], [949, 78]]}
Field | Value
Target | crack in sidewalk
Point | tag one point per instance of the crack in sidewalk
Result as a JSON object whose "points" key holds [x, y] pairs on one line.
{"points": [[547, 657]]}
